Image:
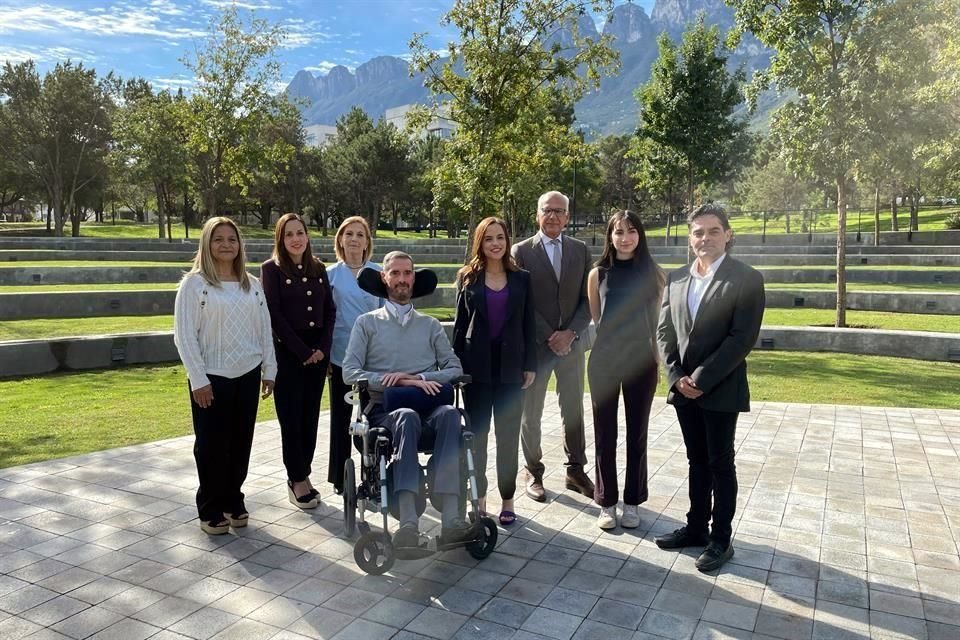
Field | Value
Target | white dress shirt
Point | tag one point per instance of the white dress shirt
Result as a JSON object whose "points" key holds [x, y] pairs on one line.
{"points": [[699, 285]]}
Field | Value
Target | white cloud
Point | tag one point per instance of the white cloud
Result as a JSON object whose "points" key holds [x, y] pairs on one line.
{"points": [[324, 67], [241, 4], [172, 84], [43, 55], [301, 33], [152, 20]]}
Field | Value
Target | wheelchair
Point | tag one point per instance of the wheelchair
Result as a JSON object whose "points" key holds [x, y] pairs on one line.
{"points": [[374, 551]]}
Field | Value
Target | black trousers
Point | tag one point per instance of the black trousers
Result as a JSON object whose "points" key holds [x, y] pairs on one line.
{"points": [[708, 437], [224, 433], [297, 397], [638, 388], [504, 402], [340, 417]]}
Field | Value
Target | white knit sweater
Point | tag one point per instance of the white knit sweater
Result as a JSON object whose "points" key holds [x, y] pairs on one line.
{"points": [[222, 331]]}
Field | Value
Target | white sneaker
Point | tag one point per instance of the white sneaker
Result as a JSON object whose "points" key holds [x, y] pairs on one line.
{"points": [[608, 517], [631, 516]]}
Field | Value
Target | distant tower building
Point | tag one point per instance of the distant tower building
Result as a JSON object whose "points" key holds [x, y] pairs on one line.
{"points": [[319, 135], [439, 127]]}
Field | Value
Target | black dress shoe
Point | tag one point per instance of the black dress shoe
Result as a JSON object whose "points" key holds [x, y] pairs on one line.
{"points": [[680, 538], [535, 488], [459, 531], [578, 481], [714, 556], [407, 536]]}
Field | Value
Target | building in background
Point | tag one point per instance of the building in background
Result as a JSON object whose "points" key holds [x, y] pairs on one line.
{"points": [[319, 135], [439, 127]]}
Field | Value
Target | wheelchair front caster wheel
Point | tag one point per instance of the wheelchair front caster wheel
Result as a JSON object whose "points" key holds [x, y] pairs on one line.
{"points": [[483, 547], [349, 497], [374, 553]]}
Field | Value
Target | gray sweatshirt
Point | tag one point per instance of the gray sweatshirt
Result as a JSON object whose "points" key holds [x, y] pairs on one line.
{"points": [[379, 344]]}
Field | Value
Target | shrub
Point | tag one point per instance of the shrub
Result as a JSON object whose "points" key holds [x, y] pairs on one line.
{"points": [[952, 221]]}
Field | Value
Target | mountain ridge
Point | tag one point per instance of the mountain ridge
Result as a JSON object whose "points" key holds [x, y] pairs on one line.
{"points": [[385, 81]]}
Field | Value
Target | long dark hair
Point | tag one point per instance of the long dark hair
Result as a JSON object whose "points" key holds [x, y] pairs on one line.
{"points": [[312, 266], [469, 272], [642, 259]]}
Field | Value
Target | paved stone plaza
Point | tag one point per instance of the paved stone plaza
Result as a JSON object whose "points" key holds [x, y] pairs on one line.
{"points": [[847, 527]]}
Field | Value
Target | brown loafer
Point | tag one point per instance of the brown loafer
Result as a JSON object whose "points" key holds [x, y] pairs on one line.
{"points": [[535, 488], [578, 481]]}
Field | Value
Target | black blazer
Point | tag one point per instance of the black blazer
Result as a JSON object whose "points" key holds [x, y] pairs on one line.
{"points": [[471, 335], [713, 348]]}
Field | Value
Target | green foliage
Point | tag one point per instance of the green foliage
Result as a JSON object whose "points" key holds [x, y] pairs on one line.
{"points": [[952, 221], [688, 133], [231, 105], [508, 83], [58, 128]]}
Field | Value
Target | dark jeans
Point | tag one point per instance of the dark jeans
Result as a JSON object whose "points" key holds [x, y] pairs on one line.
{"points": [[340, 417], [638, 389], [224, 433], [708, 436], [297, 397], [440, 431], [569, 371], [504, 402]]}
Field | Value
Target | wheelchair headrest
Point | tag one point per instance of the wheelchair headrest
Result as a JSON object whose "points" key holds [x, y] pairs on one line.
{"points": [[424, 283]]}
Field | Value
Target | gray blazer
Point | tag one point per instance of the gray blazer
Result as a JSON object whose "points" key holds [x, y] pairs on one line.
{"points": [[712, 349], [557, 305]]}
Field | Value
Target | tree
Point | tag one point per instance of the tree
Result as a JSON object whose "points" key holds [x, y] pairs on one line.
{"points": [[58, 128], [772, 187], [688, 107], [498, 83], [235, 72], [150, 138], [830, 54], [618, 168]]}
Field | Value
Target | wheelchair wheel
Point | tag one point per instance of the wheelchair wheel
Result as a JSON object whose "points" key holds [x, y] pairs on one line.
{"points": [[374, 553], [349, 497], [484, 547]]}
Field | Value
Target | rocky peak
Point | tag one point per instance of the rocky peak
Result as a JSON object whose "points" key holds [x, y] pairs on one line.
{"points": [[381, 69], [675, 15], [629, 23]]}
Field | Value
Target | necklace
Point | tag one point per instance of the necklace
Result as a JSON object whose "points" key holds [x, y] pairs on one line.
{"points": [[353, 268]]}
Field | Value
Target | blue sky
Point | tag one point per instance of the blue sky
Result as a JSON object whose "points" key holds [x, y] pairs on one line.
{"points": [[148, 38]]}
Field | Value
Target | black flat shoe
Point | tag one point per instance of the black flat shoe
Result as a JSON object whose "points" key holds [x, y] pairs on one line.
{"points": [[714, 557], [680, 538]]}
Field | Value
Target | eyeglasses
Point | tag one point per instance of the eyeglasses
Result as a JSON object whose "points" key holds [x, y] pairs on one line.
{"points": [[551, 211]]}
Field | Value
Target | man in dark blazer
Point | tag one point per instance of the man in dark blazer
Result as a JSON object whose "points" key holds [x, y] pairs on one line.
{"points": [[558, 266], [709, 321]]}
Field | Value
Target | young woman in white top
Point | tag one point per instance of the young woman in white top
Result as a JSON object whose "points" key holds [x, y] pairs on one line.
{"points": [[222, 332]]}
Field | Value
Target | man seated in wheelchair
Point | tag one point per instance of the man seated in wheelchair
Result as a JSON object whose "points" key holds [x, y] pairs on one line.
{"points": [[397, 349]]}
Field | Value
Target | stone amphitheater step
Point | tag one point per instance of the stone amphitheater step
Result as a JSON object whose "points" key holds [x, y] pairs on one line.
{"points": [[10, 274], [81, 304], [37, 357], [949, 257]]}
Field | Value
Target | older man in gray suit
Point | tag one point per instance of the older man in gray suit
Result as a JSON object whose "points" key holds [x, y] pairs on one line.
{"points": [[558, 267]]}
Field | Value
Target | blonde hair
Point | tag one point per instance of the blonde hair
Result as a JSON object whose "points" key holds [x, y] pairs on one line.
{"points": [[206, 265], [341, 256]]}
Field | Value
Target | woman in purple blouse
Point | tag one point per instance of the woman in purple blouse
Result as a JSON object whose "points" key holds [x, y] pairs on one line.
{"points": [[494, 337]]}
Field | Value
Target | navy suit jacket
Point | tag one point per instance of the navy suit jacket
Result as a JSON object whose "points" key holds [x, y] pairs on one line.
{"points": [[712, 348]]}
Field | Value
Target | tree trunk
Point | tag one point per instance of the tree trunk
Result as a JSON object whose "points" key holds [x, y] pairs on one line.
{"points": [[841, 252], [75, 214], [161, 231], [915, 209], [894, 222], [876, 216], [787, 215]]}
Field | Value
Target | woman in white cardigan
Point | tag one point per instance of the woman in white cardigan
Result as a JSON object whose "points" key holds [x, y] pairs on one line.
{"points": [[222, 332]]}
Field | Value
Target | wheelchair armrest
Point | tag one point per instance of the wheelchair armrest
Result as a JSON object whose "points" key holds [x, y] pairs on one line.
{"points": [[462, 381]]}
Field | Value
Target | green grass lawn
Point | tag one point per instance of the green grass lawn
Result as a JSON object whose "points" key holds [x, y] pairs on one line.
{"points": [[72, 413], [863, 319], [130, 230], [66, 327]]}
